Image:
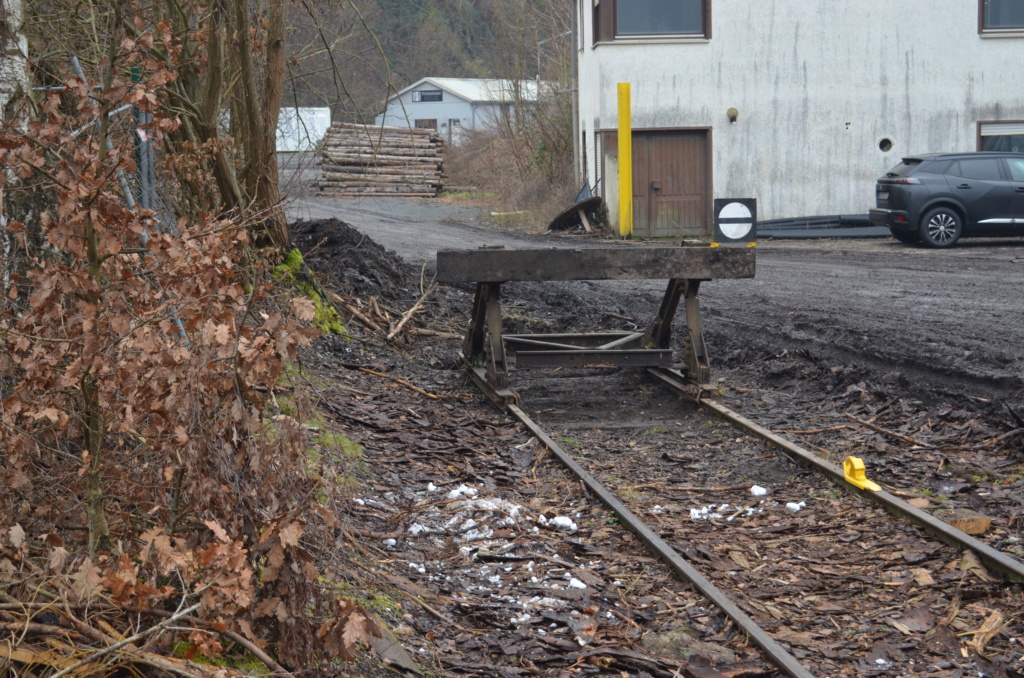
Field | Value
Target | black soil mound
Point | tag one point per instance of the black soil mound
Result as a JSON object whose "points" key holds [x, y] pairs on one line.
{"points": [[350, 262]]}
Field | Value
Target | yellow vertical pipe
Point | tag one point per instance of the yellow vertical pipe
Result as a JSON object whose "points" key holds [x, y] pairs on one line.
{"points": [[625, 162]]}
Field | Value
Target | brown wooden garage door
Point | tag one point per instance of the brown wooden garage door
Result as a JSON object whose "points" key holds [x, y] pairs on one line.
{"points": [[671, 182]]}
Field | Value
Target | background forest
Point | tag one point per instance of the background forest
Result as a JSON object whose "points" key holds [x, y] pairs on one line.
{"points": [[351, 56]]}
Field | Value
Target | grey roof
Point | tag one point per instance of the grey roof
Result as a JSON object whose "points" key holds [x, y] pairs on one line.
{"points": [[478, 90]]}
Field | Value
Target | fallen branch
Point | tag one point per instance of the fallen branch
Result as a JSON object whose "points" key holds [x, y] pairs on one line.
{"points": [[404, 383], [411, 311], [892, 434], [809, 431], [686, 488], [433, 333], [127, 641], [356, 313]]}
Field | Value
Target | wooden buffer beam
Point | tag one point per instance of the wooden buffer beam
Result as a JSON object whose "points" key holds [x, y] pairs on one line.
{"points": [[486, 349]]}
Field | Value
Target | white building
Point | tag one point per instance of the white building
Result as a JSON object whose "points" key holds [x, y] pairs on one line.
{"points": [[449, 105], [826, 95], [301, 129]]}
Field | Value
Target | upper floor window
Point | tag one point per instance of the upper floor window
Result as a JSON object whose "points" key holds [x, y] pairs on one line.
{"points": [[651, 19], [1001, 15], [427, 95]]}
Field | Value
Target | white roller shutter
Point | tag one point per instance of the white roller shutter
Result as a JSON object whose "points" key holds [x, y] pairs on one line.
{"points": [[998, 129]]}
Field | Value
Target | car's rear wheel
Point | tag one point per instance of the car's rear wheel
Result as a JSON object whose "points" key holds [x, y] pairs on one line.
{"points": [[907, 237], [941, 227]]}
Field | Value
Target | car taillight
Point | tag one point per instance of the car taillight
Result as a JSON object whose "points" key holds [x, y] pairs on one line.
{"points": [[906, 180], [901, 219]]}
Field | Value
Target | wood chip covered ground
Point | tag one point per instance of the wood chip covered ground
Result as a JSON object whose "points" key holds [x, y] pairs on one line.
{"points": [[485, 557]]}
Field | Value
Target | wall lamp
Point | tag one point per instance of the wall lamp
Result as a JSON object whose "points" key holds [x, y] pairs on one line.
{"points": [[733, 114]]}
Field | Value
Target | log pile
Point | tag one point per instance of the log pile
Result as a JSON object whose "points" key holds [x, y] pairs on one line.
{"points": [[367, 160]]}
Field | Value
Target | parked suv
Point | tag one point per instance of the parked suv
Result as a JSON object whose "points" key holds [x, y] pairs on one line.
{"points": [[937, 198]]}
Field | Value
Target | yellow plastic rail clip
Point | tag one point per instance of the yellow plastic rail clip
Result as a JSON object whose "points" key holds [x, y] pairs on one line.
{"points": [[853, 469]]}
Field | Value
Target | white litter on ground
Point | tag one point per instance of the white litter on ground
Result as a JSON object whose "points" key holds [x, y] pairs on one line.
{"points": [[431, 487], [758, 491], [463, 491], [795, 506], [389, 542], [708, 512], [565, 524], [575, 583]]}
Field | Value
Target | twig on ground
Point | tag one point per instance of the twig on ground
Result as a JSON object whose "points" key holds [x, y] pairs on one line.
{"points": [[411, 311], [404, 383], [892, 434], [809, 431], [127, 641], [433, 333]]}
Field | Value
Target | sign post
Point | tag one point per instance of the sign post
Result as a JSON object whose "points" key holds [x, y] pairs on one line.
{"points": [[625, 162]]}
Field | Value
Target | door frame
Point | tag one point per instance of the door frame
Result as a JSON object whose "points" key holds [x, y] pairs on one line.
{"points": [[612, 132]]}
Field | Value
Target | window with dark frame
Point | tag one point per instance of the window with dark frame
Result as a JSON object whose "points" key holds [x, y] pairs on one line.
{"points": [[427, 124], [640, 19], [1005, 136], [427, 95], [1001, 15]]}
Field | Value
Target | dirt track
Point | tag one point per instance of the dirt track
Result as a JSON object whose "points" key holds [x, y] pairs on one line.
{"points": [[830, 339]]}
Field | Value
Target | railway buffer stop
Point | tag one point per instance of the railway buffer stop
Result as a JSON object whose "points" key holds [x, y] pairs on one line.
{"points": [[489, 353]]}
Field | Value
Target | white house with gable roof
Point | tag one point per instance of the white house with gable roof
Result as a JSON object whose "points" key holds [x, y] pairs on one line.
{"points": [[449, 105], [799, 103]]}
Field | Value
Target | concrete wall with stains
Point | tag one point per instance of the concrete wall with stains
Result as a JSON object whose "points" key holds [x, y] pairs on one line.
{"points": [[818, 84]]}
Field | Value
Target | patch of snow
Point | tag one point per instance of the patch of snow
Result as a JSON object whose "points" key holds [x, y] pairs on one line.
{"points": [[758, 491], [575, 583], [795, 507], [477, 535], [463, 491], [389, 542]]}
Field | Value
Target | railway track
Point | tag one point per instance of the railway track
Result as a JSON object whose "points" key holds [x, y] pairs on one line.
{"points": [[825, 578]]}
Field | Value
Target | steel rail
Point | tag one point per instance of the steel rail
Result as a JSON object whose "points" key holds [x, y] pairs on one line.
{"points": [[783, 660], [1009, 567]]}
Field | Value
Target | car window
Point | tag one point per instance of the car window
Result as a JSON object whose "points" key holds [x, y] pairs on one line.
{"points": [[1016, 168], [904, 168], [986, 169], [936, 167]]}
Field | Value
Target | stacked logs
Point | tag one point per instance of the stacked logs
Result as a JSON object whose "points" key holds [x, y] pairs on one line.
{"points": [[368, 160]]}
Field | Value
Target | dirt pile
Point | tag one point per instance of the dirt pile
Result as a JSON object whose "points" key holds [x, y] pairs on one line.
{"points": [[350, 262]]}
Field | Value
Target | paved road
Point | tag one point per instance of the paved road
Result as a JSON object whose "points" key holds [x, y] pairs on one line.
{"points": [[953, 318]]}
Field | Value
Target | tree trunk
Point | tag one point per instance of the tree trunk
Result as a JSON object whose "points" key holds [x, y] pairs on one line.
{"points": [[256, 120]]}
